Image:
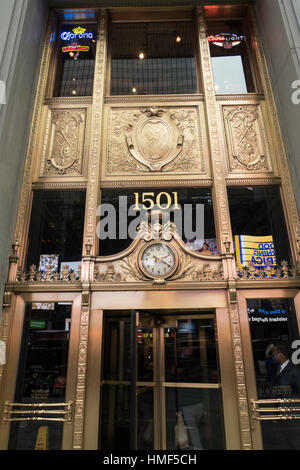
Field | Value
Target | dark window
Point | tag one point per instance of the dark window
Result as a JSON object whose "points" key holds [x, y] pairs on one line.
{"points": [[75, 60], [257, 212], [42, 372], [56, 228], [118, 239], [275, 348], [230, 56], [168, 63]]}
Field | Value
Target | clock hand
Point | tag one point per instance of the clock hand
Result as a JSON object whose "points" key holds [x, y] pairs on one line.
{"points": [[166, 264]]}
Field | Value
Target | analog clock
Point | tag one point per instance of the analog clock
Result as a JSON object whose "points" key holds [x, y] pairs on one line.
{"points": [[158, 260]]}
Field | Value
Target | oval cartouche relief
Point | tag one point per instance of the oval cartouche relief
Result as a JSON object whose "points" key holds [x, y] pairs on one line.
{"points": [[154, 139]]}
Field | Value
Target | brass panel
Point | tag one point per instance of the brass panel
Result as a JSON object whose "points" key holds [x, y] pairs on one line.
{"points": [[93, 188], [161, 13], [63, 147], [247, 143], [214, 127], [156, 140], [228, 380], [93, 381], [146, 100], [158, 300]]}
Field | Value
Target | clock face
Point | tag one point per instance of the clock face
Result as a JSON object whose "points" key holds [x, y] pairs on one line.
{"points": [[158, 260]]}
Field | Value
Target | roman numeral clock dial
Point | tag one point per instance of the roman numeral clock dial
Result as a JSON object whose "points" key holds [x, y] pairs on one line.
{"points": [[158, 260]]}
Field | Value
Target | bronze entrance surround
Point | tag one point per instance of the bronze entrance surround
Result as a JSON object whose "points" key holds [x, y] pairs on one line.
{"points": [[109, 152]]}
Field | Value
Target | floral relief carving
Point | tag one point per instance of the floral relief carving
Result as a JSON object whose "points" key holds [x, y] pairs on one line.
{"points": [[66, 143], [154, 140], [246, 138]]}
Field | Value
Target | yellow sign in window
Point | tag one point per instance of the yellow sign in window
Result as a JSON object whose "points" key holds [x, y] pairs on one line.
{"points": [[260, 251]]}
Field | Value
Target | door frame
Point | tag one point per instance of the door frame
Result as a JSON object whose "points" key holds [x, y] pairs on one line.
{"points": [[242, 296], [14, 343], [160, 300]]}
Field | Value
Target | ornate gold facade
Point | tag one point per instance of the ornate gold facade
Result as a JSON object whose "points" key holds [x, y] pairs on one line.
{"points": [[102, 142]]}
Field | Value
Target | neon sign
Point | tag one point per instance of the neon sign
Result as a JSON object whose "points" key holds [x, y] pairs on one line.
{"points": [[77, 33], [226, 40], [76, 49]]}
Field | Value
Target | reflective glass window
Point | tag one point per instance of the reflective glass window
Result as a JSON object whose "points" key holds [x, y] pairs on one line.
{"points": [[75, 59], [192, 203], [56, 229], [276, 355], [152, 58], [230, 56], [258, 226]]}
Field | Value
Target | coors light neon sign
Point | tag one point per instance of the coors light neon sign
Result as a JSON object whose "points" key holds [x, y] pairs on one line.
{"points": [[226, 40]]}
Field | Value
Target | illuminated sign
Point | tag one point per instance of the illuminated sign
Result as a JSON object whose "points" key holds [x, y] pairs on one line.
{"points": [[76, 33], [262, 315], [76, 49], [260, 251], [226, 40], [38, 325]]}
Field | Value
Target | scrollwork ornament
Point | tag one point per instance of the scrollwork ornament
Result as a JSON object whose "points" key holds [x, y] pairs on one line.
{"points": [[130, 268], [186, 267], [245, 134], [68, 142]]}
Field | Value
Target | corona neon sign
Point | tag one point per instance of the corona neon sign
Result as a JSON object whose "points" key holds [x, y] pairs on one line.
{"points": [[226, 40], [76, 33]]}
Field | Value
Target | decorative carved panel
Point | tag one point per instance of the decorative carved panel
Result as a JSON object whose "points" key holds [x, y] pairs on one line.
{"points": [[190, 265], [145, 140], [247, 141], [64, 142]]}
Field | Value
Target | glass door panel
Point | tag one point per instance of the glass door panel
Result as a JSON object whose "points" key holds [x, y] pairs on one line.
{"points": [[41, 380], [177, 389], [274, 334], [194, 419], [115, 417], [190, 352], [192, 390], [145, 418]]}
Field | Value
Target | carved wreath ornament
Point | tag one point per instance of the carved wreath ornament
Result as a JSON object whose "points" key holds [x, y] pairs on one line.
{"points": [[154, 140]]}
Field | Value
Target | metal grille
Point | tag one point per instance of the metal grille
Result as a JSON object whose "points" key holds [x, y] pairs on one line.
{"points": [[75, 72], [168, 66], [77, 77]]}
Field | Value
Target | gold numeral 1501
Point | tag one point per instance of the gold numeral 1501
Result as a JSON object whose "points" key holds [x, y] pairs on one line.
{"points": [[149, 200]]}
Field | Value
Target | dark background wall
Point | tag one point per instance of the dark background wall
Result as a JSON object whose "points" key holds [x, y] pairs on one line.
{"points": [[279, 22], [22, 24]]}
